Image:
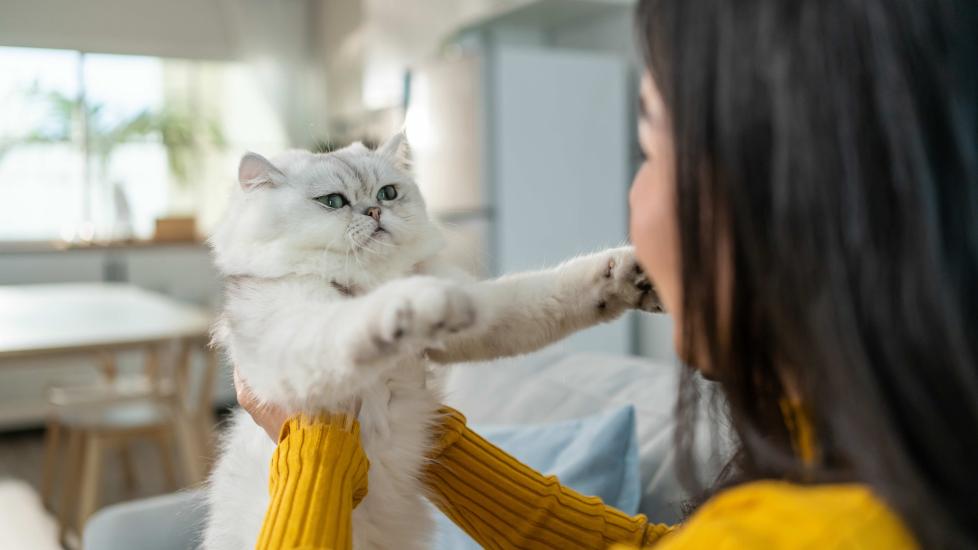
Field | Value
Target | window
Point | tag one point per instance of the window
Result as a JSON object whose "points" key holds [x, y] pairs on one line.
{"points": [[97, 146]]}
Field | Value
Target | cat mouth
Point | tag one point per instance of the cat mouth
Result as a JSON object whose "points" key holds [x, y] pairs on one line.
{"points": [[379, 230]]}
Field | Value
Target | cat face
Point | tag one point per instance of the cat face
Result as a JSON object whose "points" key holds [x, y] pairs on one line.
{"points": [[352, 209], [353, 202]]}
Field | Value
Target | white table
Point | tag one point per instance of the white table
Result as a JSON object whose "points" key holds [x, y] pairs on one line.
{"points": [[102, 319], [95, 320], [76, 318]]}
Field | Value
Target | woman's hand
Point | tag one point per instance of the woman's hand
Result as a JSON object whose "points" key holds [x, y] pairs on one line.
{"points": [[271, 418], [268, 416]]}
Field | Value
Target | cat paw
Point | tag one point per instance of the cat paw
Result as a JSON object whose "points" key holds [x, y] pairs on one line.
{"points": [[621, 283], [418, 315]]}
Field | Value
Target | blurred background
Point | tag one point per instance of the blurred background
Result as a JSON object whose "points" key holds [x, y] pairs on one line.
{"points": [[121, 123]]}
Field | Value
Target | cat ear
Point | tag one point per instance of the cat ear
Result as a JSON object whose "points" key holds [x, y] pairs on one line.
{"points": [[255, 170], [396, 149]]}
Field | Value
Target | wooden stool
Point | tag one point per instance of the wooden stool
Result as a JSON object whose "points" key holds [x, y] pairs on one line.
{"points": [[93, 420]]}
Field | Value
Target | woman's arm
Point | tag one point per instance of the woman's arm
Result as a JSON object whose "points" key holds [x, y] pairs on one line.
{"points": [[318, 475], [497, 500], [502, 503]]}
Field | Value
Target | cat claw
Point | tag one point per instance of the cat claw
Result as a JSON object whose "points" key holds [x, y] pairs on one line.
{"points": [[625, 284]]}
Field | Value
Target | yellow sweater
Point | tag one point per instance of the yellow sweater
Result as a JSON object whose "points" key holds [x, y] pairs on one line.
{"points": [[319, 474]]}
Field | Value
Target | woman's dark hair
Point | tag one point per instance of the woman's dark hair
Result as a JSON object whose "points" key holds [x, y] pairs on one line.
{"points": [[827, 152]]}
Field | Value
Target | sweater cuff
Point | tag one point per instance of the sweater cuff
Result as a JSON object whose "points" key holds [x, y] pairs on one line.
{"points": [[451, 425], [325, 439], [319, 470]]}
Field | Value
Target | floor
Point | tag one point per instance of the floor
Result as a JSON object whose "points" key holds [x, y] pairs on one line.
{"points": [[23, 521], [21, 456]]}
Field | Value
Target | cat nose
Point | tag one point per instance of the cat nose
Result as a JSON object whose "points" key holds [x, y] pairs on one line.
{"points": [[373, 212]]}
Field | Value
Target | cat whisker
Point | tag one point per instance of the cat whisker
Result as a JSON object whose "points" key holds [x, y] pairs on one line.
{"points": [[356, 257], [346, 260], [380, 242], [376, 241], [369, 250], [329, 245]]}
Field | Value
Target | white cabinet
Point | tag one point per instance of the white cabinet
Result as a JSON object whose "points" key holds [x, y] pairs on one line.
{"points": [[559, 156], [52, 267], [184, 271], [533, 141]]}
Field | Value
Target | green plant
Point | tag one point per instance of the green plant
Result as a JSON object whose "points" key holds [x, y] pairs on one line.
{"points": [[184, 135]]}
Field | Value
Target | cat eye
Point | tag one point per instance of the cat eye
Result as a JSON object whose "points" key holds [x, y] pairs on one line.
{"points": [[332, 200], [387, 193]]}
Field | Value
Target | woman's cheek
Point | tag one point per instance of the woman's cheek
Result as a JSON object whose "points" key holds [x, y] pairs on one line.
{"points": [[652, 229], [654, 232], [641, 226]]}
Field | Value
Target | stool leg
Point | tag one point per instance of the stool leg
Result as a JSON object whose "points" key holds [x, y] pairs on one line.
{"points": [[69, 488], [52, 437], [107, 364], [89, 486], [128, 469], [163, 439], [204, 424], [206, 420], [188, 447]]}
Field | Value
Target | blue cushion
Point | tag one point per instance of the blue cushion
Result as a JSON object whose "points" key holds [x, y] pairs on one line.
{"points": [[596, 455]]}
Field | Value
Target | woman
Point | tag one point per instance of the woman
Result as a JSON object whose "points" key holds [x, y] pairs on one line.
{"points": [[808, 210]]}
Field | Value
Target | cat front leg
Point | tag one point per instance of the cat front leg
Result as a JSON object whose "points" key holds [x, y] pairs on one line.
{"points": [[296, 346], [527, 311], [407, 317]]}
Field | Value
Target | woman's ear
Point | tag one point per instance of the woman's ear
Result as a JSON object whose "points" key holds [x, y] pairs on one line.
{"points": [[396, 149], [255, 171]]}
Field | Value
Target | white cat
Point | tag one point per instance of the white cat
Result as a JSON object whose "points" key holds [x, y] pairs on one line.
{"points": [[336, 292]]}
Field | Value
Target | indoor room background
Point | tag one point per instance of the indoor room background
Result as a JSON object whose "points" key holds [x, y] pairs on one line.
{"points": [[122, 121]]}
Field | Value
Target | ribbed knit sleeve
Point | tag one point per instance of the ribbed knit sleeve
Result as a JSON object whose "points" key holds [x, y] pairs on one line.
{"points": [[318, 475], [501, 503]]}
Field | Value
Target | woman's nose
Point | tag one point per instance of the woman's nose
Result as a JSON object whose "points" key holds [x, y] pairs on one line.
{"points": [[373, 212]]}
